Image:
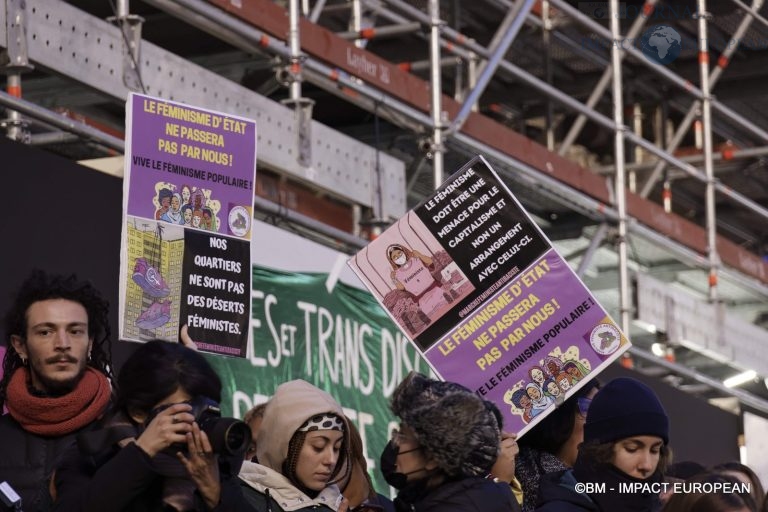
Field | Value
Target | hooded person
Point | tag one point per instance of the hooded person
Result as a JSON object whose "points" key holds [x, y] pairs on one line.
{"points": [[303, 451], [625, 443], [442, 454]]}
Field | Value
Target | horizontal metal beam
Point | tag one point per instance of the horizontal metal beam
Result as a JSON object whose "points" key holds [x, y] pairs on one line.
{"points": [[83, 130], [354, 243], [380, 32], [744, 397], [68, 41]]}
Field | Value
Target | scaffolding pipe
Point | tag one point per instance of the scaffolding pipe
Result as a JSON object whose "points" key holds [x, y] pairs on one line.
{"points": [[83, 130], [13, 124], [421, 65], [240, 32], [744, 397], [637, 128], [436, 91], [754, 11], [620, 186], [362, 34], [690, 115], [472, 64], [706, 115], [317, 10], [459, 41], [294, 43], [605, 81], [210, 16], [43, 139], [506, 34], [357, 24], [717, 156], [596, 116], [122, 9], [594, 244], [274, 209], [546, 38], [683, 84]]}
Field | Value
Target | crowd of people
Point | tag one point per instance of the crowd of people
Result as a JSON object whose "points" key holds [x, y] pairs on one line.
{"points": [[75, 437]]}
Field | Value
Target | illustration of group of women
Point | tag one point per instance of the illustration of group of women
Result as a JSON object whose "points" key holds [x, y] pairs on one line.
{"points": [[548, 382], [188, 208]]}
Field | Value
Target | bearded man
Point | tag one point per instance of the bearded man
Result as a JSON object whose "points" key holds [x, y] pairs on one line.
{"points": [[56, 378]]}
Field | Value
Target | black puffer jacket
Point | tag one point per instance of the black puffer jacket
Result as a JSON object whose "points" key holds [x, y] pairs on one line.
{"points": [[557, 493], [474, 494], [27, 461]]}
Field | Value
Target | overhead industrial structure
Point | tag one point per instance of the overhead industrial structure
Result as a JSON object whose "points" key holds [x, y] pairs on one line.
{"points": [[364, 105]]}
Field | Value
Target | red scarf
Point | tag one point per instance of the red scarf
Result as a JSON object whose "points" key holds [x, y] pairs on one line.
{"points": [[58, 416]]}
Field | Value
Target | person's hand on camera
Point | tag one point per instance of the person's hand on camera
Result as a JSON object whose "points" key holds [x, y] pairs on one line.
{"points": [[170, 426], [202, 465]]}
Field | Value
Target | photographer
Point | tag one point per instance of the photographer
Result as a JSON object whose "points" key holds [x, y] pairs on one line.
{"points": [[151, 451]]}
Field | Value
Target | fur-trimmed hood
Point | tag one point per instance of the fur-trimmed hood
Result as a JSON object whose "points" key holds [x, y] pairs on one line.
{"points": [[453, 425]]}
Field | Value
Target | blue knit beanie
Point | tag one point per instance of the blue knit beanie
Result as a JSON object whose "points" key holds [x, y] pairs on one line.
{"points": [[624, 408]]}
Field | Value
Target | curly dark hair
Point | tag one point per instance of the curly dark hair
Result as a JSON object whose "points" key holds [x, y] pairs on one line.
{"points": [[158, 368], [41, 286]]}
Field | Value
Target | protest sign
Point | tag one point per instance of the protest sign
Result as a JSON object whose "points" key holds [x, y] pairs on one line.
{"points": [[477, 286], [188, 203]]}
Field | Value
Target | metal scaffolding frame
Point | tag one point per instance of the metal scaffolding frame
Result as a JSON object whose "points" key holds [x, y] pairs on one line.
{"points": [[596, 116], [212, 19]]}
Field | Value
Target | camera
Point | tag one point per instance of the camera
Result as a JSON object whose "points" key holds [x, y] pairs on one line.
{"points": [[228, 436]]}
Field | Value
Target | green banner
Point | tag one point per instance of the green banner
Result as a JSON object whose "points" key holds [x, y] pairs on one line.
{"points": [[342, 342]]}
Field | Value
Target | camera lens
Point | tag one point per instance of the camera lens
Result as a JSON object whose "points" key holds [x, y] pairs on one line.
{"points": [[228, 436]]}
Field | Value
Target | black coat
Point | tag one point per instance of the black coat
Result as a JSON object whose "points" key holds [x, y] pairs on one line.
{"points": [[474, 494], [27, 461], [557, 493], [123, 479]]}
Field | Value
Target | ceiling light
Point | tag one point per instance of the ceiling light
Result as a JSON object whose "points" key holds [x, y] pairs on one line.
{"points": [[739, 379]]}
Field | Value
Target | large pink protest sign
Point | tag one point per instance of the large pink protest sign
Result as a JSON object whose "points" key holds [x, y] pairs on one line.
{"points": [[478, 288]]}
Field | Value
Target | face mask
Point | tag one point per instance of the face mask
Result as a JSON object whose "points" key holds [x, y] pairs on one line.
{"points": [[388, 465], [401, 260]]}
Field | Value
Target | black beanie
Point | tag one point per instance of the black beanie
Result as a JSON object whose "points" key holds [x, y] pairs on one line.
{"points": [[624, 408]]}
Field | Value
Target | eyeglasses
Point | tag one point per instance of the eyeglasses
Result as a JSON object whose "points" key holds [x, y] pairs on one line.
{"points": [[583, 405]]}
